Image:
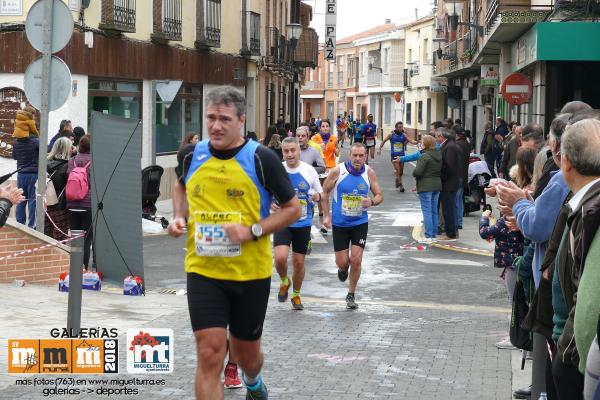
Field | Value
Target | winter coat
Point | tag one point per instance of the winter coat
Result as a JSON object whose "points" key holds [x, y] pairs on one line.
{"points": [[24, 125], [509, 244], [465, 147], [57, 170], [452, 160], [25, 151], [5, 206], [428, 171], [487, 144], [81, 160]]}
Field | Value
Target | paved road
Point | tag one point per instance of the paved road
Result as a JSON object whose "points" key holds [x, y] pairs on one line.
{"points": [[425, 328]]}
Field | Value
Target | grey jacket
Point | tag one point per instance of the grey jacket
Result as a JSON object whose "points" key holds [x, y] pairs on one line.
{"points": [[313, 158]]}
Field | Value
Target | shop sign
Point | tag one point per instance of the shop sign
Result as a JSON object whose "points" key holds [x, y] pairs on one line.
{"points": [[438, 85], [489, 75], [517, 89], [330, 29], [524, 50], [11, 7]]}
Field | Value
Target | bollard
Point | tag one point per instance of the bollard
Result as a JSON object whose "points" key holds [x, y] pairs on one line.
{"points": [[538, 368], [75, 276]]}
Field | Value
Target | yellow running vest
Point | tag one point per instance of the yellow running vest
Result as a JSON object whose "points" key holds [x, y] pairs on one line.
{"points": [[226, 191]]}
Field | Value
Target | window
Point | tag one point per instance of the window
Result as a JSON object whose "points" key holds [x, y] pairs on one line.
{"points": [[420, 112], [167, 19], [330, 110], [254, 36], [361, 66], [372, 105], [213, 22], [408, 118], [425, 56], [386, 60], [387, 111], [341, 105], [123, 99], [118, 15], [409, 56], [174, 121]]}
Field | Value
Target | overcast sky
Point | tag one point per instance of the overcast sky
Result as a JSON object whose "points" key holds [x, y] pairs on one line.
{"points": [[354, 16]]}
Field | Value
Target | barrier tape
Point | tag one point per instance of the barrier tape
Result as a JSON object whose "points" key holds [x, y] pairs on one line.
{"points": [[22, 252]]}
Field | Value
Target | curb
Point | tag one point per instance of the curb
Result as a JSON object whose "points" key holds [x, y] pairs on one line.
{"points": [[417, 234]]}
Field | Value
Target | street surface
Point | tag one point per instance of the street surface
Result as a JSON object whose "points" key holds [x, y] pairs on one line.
{"points": [[425, 328]]}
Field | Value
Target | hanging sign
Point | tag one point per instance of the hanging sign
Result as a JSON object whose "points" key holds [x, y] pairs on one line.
{"points": [[330, 29]]}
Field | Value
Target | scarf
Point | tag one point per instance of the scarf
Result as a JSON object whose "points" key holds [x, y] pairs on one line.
{"points": [[325, 137], [354, 171]]}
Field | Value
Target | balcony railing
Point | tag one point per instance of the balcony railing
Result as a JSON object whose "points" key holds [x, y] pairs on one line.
{"points": [[374, 78], [254, 33], [415, 68], [313, 85], [167, 20], [273, 48], [306, 54], [213, 23], [535, 12], [118, 15]]}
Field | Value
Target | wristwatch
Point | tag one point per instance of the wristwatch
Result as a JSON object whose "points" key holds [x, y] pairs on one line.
{"points": [[256, 230]]}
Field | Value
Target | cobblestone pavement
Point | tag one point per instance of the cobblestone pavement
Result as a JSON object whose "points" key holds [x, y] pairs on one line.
{"points": [[425, 328]]}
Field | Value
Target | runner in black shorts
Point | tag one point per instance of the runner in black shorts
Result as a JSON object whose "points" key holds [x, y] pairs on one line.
{"points": [[305, 181], [369, 135], [343, 237], [223, 202]]}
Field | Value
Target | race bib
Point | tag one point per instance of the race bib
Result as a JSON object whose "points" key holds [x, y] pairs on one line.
{"points": [[211, 239], [351, 205], [370, 142], [303, 209], [398, 147]]}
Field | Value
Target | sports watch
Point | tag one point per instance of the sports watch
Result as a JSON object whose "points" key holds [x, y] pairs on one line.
{"points": [[256, 230]]}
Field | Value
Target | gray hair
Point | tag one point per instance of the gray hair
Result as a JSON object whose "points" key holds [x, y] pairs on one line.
{"points": [[228, 95], [302, 129], [61, 149], [358, 144], [445, 132], [581, 145], [291, 139]]}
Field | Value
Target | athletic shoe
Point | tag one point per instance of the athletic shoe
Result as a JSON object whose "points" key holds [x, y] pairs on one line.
{"points": [[342, 274], [350, 303], [446, 238], [505, 345], [283, 291], [260, 394], [401, 188], [397, 183], [232, 380], [427, 240], [324, 231], [297, 303]]}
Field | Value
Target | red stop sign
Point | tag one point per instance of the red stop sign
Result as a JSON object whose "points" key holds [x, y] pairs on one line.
{"points": [[517, 88]]}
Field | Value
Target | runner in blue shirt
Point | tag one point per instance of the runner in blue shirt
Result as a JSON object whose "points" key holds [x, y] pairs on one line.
{"points": [[398, 141], [305, 181], [369, 134]]}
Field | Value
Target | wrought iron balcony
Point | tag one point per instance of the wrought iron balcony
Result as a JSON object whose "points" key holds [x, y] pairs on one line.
{"points": [[273, 51], [254, 33], [208, 33], [306, 53], [118, 15], [167, 20]]}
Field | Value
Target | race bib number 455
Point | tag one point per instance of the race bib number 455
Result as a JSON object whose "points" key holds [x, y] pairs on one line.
{"points": [[210, 237]]}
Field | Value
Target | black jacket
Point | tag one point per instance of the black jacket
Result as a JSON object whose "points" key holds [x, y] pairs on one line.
{"points": [[452, 159], [57, 169], [5, 206], [465, 147]]}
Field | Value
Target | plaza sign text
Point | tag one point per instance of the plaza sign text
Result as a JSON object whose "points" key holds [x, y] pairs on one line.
{"points": [[330, 29]]}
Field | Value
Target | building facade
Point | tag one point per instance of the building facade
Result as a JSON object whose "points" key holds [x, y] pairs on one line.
{"points": [[532, 37], [124, 56]]}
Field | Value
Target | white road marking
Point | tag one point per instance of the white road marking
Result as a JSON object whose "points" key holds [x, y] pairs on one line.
{"points": [[408, 219], [317, 237], [448, 261]]}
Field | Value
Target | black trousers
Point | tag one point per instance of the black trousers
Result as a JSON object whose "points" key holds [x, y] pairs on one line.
{"points": [[82, 220], [448, 200], [568, 381]]}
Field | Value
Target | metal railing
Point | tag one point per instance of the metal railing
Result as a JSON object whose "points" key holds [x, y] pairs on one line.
{"points": [[167, 19], [118, 15], [313, 85], [254, 33], [213, 23], [374, 78], [273, 50]]}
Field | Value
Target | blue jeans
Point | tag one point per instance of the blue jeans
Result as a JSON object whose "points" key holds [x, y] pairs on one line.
{"points": [[460, 205], [26, 181], [429, 206]]}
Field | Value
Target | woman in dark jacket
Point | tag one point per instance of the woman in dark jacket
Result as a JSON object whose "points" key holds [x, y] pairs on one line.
{"points": [[57, 220], [429, 184], [25, 151], [80, 211]]}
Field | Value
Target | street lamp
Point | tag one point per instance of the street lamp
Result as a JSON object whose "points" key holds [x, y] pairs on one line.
{"points": [[454, 10], [294, 31]]}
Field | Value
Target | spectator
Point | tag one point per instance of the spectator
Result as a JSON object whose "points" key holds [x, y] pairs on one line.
{"points": [[451, 173], [78, 133], [510, 152], [463, 184], [574, 106], [65, 124], [252, 136], [9, 196], [190, 138], [275, 145], [487, 148], [580, 165], [525, 165], [57, 219], [499, 135], [80, 211], [26, 152], [25, 123], [272, 130], [288, 129], [429, 184]]}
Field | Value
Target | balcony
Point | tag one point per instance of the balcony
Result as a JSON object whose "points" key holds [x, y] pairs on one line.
{"points": [[306, 54], [313, 85], [167, 20], [118, 16], [254, 33], [273, 50], [208, 31], [374, 78], [515, 12]]}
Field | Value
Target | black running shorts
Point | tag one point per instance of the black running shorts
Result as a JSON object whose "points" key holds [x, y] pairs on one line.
{"points": [[298, 237], [344, 236], [216, 303]]}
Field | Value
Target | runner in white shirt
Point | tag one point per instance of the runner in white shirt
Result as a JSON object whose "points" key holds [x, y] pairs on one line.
{"points": [[305, 181]]}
